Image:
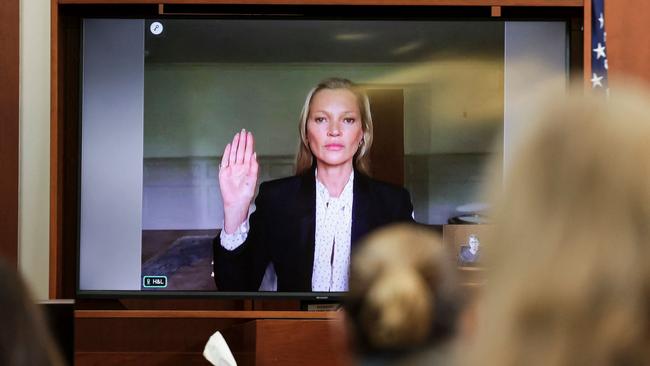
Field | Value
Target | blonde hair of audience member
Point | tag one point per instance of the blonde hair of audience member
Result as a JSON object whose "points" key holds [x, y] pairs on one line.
{"points": [[304, 157], [24, 339], [402, 290], [570, 278]]}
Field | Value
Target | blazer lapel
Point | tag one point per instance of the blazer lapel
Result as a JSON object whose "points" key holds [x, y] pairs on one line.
{"points": [[306, 213], [360, 207]]}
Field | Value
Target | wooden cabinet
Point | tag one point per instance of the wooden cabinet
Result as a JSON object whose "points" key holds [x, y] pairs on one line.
{"points": [[268, 342], [172, 337]]}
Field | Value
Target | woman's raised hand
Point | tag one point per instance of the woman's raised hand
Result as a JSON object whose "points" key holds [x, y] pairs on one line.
{"points": [[237, 179]]}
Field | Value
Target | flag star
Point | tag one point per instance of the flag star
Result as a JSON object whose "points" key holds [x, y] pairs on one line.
{"points": [[600, 51], [601, 20], [605, 36], [595, 81], [605, 64]]}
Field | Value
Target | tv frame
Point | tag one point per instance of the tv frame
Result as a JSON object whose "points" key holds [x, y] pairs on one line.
{"points": [[571, 15]]}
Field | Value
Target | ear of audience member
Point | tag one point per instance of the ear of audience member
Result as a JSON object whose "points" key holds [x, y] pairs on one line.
{"points": [[569, 276], [403, 296], [24, 338]]}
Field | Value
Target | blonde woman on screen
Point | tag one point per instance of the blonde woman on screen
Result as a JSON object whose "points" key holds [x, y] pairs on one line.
{"points": [[306, 225], [569, 281]]}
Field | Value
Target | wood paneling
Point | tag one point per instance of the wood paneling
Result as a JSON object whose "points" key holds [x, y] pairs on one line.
{"points": [[569, 3], [9, 125], [140, 358], [628, 40], [178, 337], [144, 341], [268, 342], [146, 334]]}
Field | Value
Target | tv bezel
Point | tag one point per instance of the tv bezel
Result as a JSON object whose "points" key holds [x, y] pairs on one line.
{"points": [[299, 12]]}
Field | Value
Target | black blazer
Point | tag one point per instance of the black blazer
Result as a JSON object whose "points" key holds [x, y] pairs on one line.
{"points": [[283, 227]]}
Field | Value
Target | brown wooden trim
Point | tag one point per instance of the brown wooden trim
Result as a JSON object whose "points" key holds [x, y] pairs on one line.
{"points": [[9, 126], [54, 156], [116, 335], [495, 11], [587, 45], [139, 358], [140, 342], [554, 3], [217, 314], [64, 154], [291, 342]]}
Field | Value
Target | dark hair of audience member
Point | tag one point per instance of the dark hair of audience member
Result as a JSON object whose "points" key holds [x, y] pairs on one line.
{"points": [[24, 338], [403, 293], [569, 276]]}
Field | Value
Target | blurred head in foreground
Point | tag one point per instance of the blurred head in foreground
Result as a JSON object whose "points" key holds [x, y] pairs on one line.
{"points": [[402, 292], [24, 339], [569, 274]]}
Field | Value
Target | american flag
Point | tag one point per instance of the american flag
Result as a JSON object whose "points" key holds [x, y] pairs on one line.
{"points": [[598, 46]]}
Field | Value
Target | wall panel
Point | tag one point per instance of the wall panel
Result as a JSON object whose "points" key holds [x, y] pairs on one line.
{"points": [[628, 39], [9, 114]]}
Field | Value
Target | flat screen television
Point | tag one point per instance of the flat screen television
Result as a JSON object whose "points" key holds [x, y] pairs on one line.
{"points": [[161, 97]]}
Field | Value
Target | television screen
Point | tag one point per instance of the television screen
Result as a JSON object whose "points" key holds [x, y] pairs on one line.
{"points": [[161, 99]]}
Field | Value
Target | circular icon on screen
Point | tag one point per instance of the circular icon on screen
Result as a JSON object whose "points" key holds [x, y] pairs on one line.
{"points": [[156, 28]]}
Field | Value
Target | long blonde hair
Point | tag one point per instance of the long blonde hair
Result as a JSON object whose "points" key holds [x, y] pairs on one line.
{"points": [[402, 290], [305, 158], [570, 278]]}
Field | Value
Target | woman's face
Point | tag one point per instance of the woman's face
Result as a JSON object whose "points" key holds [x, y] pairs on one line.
{"points": [[334, 127]]}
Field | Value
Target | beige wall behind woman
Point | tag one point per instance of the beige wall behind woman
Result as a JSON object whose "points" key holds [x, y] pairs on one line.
{"points": [[34, 150]]}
